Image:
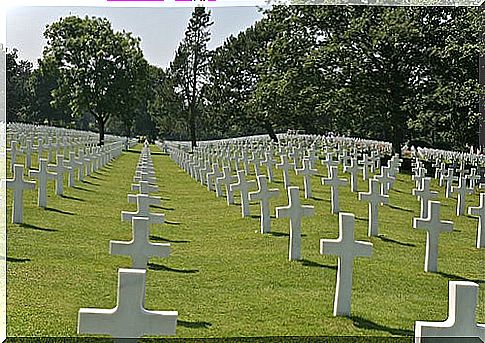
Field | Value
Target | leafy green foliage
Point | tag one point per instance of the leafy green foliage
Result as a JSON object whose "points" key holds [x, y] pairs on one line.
{"points": [[188, 71], [17, 82], [100, 71]]}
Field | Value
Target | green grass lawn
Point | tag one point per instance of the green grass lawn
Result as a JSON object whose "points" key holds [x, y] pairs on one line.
{"points": [[223, 277]]}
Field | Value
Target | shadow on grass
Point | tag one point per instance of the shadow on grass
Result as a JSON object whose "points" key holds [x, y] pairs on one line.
{"points": [[361, 219], [59, 211], [454, 277], [130, 151], [398, 190], [18, 260], [308, 263], [320, 199], [82, 189], [400, 208], [154, 266], [91, 183], [258, 216], [161, 239], [282, 234], [72, 198], [34, 227], [159, 153], [390, 240], [193, 325], [163, 208], [362, 323]]}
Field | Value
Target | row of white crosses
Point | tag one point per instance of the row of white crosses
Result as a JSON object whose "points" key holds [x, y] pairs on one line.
{"points": [[425, 195], [130, 319], [462, 321], [463, 295], [92, 162], [345, 247], [30, 139]]}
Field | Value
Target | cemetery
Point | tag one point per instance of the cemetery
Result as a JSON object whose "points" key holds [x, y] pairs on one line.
{"points": [[273, 262], [136, 210]]}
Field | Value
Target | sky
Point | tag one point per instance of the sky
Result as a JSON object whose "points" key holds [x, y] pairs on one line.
{"points": [[160, 29]]}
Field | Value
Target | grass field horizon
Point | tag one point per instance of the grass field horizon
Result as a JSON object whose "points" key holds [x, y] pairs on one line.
{"points": [[223, 277]]}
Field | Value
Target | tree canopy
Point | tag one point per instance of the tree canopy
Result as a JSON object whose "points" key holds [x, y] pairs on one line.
{"points": [[101, 72]]}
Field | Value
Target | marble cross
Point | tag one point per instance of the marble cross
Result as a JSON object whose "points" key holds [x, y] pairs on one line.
{"points": [[307, 172], [425, 194], [128, 319], [375, 199], [433, 227], [462, 317], [285, 166], [59, 169], [227, 179], [140, 249], [143, 202], [347, 249], [295, 211], [448, 177], [18, 184], [353, 169], [480, 212], [385, 179], [334, 182], [269, 162], [42, 175], [264, 195], [144, 187], [243, 186], [462, 190]]}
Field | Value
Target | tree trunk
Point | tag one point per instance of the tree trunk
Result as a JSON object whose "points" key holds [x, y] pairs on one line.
{"points": [[269, 128], [193, 137], [101, 123]]}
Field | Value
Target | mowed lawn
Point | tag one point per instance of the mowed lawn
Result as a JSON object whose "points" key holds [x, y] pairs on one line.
{"points": [[223, 277]]}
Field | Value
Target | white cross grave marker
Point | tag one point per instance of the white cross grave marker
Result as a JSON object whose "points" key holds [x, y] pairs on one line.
{"points": [[140, 249], [42, 175], [128, 319], [295, 211], [144, 187], [462, 190], [347, 249], [243, 186], [334, 182], [143, 202], [307, 172], [353, 169], [433, 227], [59, 170], [462, 318], [285, 166], [425, 194], [480, 212], [375, 199], [264, 195], [226, 180], [18, 185], [269, 162]]}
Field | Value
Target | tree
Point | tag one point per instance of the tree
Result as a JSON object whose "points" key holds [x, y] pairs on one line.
{"points": [[17, 73], [100, 71], [188, 70]]}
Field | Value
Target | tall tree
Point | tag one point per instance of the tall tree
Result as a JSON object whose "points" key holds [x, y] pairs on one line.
{"points": [[189, 67], [18, 73], [101, 71]]}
